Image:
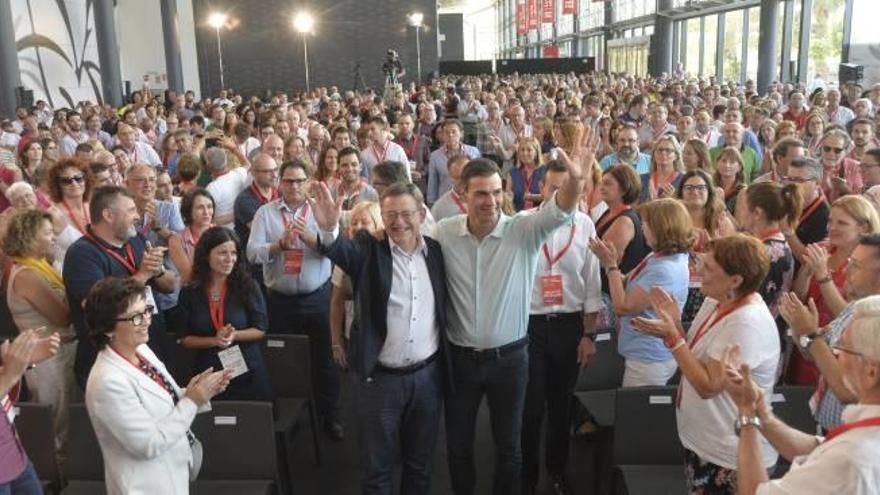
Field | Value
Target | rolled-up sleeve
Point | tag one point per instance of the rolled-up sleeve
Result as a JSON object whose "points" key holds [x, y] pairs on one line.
{"points": [[259, 241]]}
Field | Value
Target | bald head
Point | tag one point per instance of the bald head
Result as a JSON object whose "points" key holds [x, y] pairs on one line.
{"points": [[264, 170], [274, 147], [733, 132]]}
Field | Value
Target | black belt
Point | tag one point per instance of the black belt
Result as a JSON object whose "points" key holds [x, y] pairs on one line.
{"points": [[577, 315], [406, 370], [493, 353]]}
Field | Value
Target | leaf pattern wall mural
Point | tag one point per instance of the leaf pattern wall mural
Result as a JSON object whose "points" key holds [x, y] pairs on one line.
{"points": [[57, 51]]}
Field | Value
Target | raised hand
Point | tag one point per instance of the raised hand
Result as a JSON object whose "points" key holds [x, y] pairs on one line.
{"points": [[327, 212], [664, 303], [816, 258], [606, 252], [19, 354]]}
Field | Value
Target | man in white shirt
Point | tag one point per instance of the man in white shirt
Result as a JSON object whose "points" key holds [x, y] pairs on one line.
{"points": [[836, 113], [845, 460], [703, 129], [247, 144], [74, 136], [226, 184], [136, 151], [562, 323], [381, 148]]}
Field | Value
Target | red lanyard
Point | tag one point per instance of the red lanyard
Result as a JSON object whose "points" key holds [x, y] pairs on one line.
{"points": [[527, 180], [457, 201], [380, 159], [303, 214], [148, 222], [710, 322], [260, 197], [610, 216], [411, 152], [641, 266], [73, 218], [706, 137], [128, 262], [662, 131], [551, 260], [340, 191], [158, 378], [217, 309], [840, 430], [812, 208]]}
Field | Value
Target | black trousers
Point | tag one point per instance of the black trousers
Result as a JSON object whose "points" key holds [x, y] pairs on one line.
{"points": [[309, 315], [553, 370]]}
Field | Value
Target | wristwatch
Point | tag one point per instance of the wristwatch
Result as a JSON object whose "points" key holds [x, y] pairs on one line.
{"points": [[804, 341], [745, 420]]}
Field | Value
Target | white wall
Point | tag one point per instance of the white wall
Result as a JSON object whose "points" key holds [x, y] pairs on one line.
{"points": [[141, 46], [188, 55], [60, 61], [865, 42]]}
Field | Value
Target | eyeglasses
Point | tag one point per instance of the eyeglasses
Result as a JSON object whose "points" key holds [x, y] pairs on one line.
{"points": [[143, 180], [290, 182], [832, 149], [694, 188], [68, 181], [797, 180], [139, 319], [406, 215], [837, 349]]}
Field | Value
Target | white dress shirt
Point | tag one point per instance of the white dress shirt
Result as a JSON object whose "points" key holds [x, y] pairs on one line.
{"points": [[143, 153], [412, 333], [846, 464], [375, 154], [581, 286], [226, 188]]}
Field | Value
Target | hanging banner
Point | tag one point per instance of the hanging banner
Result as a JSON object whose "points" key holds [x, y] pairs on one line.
{"points": [[569, 7], [548, 11], [521, 25], [550, 51], [532, 6]]}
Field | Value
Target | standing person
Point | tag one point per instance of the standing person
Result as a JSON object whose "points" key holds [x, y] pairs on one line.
{"points": [[452, 203], [730, 176], [490, 262], [112, 247], [297, 280], [352, 188], [812, 224], [840, 174], [732, 314], [222, 311], [381, 149], [669, 232], [227, 183], [141, 416], [136, 151], [524, 182], [438, 172], [263, 189], [562, 327], [400, 350], [416, 146], [666, 168], [695, 155], [35, 295], [69, 189], [197, 210], [627, 152]]}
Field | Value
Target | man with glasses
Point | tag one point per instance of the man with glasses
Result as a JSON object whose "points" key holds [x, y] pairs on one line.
{"points": [[845, 459], [840, 174], [113, 247], [297, 280], [400, 352], [869, 168], [627, 152], [813, 224]]}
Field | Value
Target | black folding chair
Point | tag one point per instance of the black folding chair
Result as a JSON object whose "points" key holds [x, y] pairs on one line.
{"points": [[85, 464], [791, 404], [647, 451], [597, 384], [35, 424], [238, 438]]}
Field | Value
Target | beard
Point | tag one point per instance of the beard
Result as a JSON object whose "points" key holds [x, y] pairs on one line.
{"points": [[628, 153]]}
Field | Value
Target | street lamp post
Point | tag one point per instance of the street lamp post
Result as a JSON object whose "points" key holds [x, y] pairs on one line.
{"points": [[415, 20], [218, 20], [303, 23]]}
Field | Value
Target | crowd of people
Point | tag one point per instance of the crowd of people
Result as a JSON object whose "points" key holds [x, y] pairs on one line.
{"points": [[464, 239]]}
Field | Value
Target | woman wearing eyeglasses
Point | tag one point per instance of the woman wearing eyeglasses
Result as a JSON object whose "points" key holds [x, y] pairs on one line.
{"points": [[69, 189], [222, 314], [666, 166], [37, 300], [141, 416], [711, 221]]}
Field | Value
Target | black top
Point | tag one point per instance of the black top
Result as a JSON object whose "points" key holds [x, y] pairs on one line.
{"points": [[814, 228], [635, 251]]}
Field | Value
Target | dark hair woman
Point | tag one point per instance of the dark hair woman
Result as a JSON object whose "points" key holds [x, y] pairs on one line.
{"points": [[222, 315]]}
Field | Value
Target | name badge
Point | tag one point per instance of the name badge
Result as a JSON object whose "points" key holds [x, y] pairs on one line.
{"points": [[293, 261], [551, 290], [232, 359]]}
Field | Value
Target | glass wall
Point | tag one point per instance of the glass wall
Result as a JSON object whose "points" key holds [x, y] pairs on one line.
{"points": [[826, 39], [629, 55], [630, 9], [710, 43], [752, 43], [733, 42]]}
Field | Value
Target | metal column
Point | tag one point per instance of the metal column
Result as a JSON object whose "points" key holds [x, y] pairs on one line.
{"points": [[10, 75], [171, 36], [108, 52], [661, 41], [767, 45]]}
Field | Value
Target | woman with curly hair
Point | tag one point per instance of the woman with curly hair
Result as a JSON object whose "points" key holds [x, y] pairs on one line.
{"points": [[222, 313]]}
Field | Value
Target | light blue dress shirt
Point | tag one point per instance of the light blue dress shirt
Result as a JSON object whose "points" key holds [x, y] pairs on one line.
{"points": [[267, 228], [490, 281], [642, 165], [438, 172]]}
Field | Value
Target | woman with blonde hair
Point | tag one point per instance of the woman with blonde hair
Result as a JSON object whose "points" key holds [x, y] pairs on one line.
{"points": [[591, 201], [542, 131], [823, 273], [814, 129], [664, 177], [524, 182], [784, 129], [569, 132], [669, 233]]}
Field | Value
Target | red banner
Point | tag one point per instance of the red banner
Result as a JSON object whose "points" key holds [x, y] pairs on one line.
{"points": [[569, 7], [521, 27], [551, 51], [548, 11], [532, 6]]}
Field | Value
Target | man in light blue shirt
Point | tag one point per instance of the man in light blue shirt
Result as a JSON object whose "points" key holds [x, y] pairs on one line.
{"points": [[438, 173], [298, 284], [628, 152], [490, 261]]}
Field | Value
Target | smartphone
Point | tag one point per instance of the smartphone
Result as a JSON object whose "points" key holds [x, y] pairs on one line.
{"points": [[212, 142]]}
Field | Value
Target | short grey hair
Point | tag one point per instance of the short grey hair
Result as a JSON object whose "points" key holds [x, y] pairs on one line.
{"points": [[811, 164], [837, 133], [865, 327], [215, 159], [17, 189]]}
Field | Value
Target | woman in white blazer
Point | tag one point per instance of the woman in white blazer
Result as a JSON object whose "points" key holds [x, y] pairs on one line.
{"points": [[140, 416]]}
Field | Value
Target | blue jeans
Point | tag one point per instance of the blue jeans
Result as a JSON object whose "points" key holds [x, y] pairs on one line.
{"points": [[27, 483], [399, 413], [502, 379]]}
